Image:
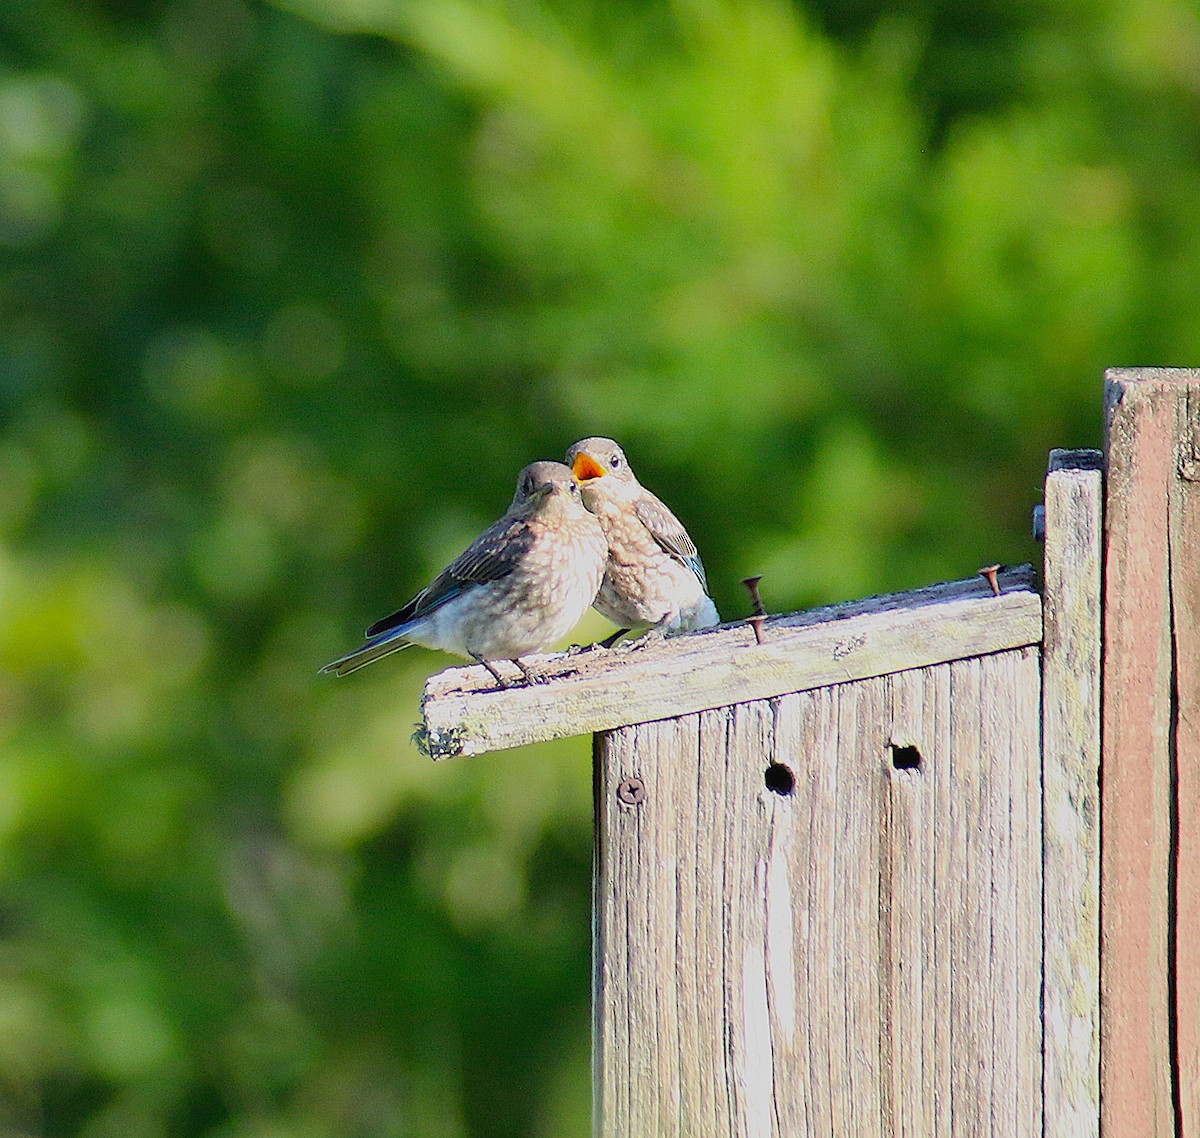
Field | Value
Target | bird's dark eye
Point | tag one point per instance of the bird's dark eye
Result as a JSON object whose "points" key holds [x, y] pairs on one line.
{"points": [[614, 462], [573, 488]]}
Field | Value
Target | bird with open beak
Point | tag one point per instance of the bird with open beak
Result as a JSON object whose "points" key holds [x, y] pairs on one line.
{"points": [[654, 578], [521, 585]]}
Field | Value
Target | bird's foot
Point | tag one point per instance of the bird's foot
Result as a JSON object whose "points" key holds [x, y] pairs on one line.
{"points": [[634, 643], [607, 643], [655, 634], [531, 676]]}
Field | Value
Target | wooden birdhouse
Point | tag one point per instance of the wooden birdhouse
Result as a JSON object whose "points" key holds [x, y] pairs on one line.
{"points": [[855, 873]]}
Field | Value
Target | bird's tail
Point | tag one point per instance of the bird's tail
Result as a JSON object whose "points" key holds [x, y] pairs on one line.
{"points": [[374, 649]]}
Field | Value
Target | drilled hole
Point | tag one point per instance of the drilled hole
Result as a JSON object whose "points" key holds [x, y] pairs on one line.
{"points": [[779, 779], [906, 758]]}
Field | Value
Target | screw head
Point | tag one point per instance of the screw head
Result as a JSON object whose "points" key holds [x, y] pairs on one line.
{"points": [[1039, 522], [631, 791]]}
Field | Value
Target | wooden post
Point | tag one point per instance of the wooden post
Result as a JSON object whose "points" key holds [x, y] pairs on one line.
{"points": [[1150, 841], [1071, 793], [820, 913]]}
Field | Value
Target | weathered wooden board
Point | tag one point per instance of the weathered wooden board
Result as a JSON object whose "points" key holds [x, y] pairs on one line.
{"points": [[464, 713], [1071, 793], [1150, 840], [860, 956], [1184, 538]]}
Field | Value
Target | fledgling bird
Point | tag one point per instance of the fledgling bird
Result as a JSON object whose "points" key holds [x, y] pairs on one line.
{"points": [[654, 578], [520, 586]]}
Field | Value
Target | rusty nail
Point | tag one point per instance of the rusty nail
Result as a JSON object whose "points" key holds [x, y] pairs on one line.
{"points": [[631, 790], [988, 573], [751, 583], [756, 621]]}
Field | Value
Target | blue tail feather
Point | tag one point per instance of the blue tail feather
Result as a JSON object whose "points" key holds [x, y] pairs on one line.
{"points": [[384, 644]]}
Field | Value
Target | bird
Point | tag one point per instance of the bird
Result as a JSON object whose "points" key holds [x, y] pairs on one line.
{"points": [[654, 579], [521, 585]]}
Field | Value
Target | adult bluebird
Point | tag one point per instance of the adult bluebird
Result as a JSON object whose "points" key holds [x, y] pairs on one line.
{"points": [[520, 586], [654, 578]]}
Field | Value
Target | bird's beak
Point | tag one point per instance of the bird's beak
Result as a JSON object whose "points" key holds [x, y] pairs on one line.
{"points": [[586, 468]]}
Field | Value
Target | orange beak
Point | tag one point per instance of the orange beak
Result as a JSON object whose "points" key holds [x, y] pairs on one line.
{"points": [[586, 468]]}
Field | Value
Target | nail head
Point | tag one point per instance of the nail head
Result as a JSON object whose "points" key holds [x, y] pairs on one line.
{"points": [[988, 573]]}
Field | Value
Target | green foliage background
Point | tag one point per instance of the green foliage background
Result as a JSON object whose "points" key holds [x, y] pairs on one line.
{"points": [[287, 296]]}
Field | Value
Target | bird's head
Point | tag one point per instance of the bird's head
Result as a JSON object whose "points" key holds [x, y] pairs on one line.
{"points": [[543, 482], [599, 463]]}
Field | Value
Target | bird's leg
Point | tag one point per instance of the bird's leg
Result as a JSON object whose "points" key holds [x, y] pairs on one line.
{"points": [[607, 642], [656, 632], [531, 677], [500, 680], [633, 643]]}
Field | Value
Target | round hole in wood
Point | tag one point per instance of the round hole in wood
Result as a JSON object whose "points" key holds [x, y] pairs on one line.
{"points": [[779, 779]]}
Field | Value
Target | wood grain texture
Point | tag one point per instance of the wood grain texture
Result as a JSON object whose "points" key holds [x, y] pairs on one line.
{"points": [[1071, 793], [1184, 538], [860, 957], [1149, 754], [464, 714]]}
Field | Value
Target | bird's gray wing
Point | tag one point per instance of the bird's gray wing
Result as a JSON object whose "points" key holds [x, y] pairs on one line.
{"points": [[492, 555], [668, 531]]}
